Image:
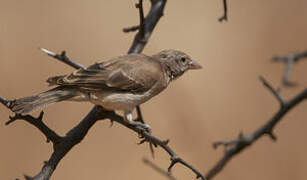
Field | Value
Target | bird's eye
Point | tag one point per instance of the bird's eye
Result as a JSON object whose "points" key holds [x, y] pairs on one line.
{"points": [[183, 59]]}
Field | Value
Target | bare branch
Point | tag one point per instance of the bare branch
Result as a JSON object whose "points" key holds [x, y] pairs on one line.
{"points": [[225, 15], [235, 146], [39, 124], [63, 58], [289, 60], [154, 140], [142, 21], [149, 23], [61, 145], [228, 143], [273, 91], [141, 26]]}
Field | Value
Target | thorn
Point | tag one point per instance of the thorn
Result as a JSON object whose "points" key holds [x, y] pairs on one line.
{"points": [[174, 160], [272, 136], [12, 119], [131, 29], [261, 78], [215, 145], [142, 141], [155, 145], [165, 142], [111, 123], [152, 150], [63, 54], [169, 169], [241, 135], [41, 115]]}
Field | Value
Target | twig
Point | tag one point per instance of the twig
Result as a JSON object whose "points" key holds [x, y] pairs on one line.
{"points": [[289, 60], [131, 29], [225, 15], [235, 146], [61, 145], [273, 91], [142, 20], [38, 123], [154, 140], [149, 23], [63, 58]]}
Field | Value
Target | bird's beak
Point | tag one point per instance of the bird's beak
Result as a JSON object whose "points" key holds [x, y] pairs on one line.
{"points": [[194, 65]]}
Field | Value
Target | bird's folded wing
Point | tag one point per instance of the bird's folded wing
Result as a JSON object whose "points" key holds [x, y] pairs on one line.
{"points": [[133, 73]]}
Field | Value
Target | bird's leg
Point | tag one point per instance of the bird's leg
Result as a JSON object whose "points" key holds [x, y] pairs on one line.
{"points": [[128, 117]]}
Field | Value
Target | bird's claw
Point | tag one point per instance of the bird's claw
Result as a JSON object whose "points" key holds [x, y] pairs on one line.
{"points": [[141, 126], [147, 128]]}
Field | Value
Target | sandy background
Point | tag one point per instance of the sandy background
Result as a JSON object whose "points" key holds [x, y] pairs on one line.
{"points": [[216, 103]]}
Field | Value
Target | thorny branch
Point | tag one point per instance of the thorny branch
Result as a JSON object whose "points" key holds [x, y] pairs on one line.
{"points": [[150, 138], [148, 24], [289, 60], [63, 144], [235, 146]]}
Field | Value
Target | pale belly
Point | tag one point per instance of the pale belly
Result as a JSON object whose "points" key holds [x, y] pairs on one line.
{"points": [[119, 101]]}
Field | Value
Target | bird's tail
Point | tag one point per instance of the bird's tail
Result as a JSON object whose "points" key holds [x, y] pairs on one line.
{"points": [[28, 104]]}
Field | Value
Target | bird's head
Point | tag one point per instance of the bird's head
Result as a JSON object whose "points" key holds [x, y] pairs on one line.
{"points": [[175, 63]]}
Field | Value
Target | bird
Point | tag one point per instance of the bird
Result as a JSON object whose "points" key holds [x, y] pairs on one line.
{"points": [[121, 83]]}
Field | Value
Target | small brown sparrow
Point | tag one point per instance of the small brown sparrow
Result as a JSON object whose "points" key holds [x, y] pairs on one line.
{"points": [[121, 83]]}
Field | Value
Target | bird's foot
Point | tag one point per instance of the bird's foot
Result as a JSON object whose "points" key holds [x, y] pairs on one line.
{"points": [[142, 126]]}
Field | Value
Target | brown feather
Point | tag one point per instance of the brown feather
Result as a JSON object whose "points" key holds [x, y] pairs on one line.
{"points": [[134, 73]]}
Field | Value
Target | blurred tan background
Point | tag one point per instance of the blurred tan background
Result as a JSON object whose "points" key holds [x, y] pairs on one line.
{"points": [[216, 103]]}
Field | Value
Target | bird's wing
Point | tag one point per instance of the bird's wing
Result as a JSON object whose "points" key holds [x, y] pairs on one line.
{"points": [[134, 73]]}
